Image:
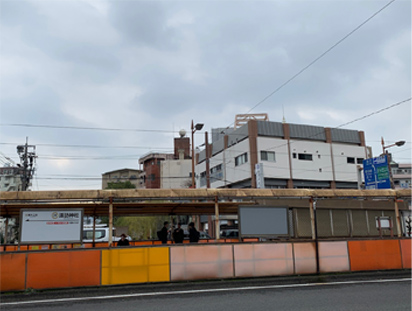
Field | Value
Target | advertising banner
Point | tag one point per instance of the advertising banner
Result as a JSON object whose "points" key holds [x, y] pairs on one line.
{"points": [[51, 226], [376, 173]]}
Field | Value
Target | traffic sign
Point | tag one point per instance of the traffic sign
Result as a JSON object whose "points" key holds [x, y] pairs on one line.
{"points": [[376, 173]]}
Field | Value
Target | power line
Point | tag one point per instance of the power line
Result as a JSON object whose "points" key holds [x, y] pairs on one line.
{"points": [[87, 128], [375, 112], [358, 119], [93, 146], [318, 58]]}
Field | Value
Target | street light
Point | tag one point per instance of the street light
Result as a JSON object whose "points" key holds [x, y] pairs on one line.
{"points": [[398, 144], [385, 152], [195, 128]]}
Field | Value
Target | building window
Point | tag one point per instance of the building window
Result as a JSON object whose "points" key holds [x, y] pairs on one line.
{"points": [[267, 156], [216, 173], [215, 169], [350, 160], [294, 155], [202, 181], [152, 177], [359, 160], [305, 156], [241, 159]]}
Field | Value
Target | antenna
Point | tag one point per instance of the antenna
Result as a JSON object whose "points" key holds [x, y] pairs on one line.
{"points": [[283, 111]]}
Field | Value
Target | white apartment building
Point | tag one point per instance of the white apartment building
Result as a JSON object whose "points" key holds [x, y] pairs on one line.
{"points": [[123, 175], [176, 174], [291, 155], [401, 174], [11, 178]]}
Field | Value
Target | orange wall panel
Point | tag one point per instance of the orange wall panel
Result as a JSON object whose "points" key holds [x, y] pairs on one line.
{"points": [[333, 257], [12, 272], [63, 269], [305, 258], [374, 255], [252, 260], [406, 253], [195, 262]]}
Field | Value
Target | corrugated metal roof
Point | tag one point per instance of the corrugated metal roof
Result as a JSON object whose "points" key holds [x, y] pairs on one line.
{"points": [[218, 146], [345, 136], [309, 132], [273, 129], [202, 155], [238, 135]]}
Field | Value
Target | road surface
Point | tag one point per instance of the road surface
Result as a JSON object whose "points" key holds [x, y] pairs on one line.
{"points": [[375, 293]]}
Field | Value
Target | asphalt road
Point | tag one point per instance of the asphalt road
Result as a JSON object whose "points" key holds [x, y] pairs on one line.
{"points": [[373, 291]]}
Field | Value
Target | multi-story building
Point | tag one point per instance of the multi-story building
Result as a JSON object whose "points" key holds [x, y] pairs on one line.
{"points": [[11, 178], [401, 174], [123, 175], [281, 155], [169, 170]]}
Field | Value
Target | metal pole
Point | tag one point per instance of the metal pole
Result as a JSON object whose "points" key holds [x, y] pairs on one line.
{"points": [[25, 183], [217, 224], [315, 231], [398, 219], [312, 219], [193, 158], [94, 230], [110, 221], [207, 161], [7, 231], [389, 170]]}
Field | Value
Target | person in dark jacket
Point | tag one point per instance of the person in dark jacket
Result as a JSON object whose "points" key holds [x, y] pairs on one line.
{"points": [[178, 234], [123, 241], [194, 235], [163, 233]]}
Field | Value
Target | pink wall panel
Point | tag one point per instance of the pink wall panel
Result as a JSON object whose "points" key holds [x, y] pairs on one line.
{"points": [[263, 259], [305, 258], [333, 257], [201, 262]]}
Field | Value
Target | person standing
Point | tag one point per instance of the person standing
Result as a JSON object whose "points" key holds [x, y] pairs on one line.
{"points": [[194, 235], [123, 241], [178, 234], [162, 234]]}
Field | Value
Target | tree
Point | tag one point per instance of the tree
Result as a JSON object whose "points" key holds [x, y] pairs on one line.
{"points": [[139, 227], [120, 185]]}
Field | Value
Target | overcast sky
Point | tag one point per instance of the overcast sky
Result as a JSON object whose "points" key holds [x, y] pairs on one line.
{"points": [[156, 65]]}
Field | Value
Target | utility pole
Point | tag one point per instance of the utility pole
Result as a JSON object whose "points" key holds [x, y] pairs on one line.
{"points": [[27, 154]]}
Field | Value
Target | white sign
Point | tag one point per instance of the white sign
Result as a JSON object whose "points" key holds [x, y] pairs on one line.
{"points": [[51, 226], [383, 222], [260, 179]]}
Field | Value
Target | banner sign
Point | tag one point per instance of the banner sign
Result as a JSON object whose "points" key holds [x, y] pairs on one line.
{"points": [[51, 226], [376, 173]]}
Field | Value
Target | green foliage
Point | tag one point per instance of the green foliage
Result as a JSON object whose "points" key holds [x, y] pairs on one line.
{"points": [[120, 185], [141, 227]]}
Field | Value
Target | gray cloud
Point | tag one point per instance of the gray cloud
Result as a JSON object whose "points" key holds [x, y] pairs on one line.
{"points": [[157, 65]]}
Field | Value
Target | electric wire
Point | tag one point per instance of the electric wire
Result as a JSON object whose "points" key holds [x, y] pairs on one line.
{"points": [[317, 59]]}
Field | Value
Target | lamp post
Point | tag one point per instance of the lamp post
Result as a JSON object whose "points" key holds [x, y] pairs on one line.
{"points": [[194, 128], [398, 144], [385, 152]]}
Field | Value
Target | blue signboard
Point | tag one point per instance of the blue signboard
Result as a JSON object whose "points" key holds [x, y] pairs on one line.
{"points": [[376, 173]]}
